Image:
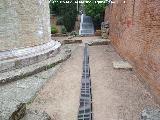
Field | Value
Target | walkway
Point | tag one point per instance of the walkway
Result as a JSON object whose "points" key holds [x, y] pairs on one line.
{"points": [[60, 96], [117, 94]]}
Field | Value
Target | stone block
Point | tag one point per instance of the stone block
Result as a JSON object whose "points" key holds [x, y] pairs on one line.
{"points": [[121, 65], [99, 42], [71, 41], [150, 113]]}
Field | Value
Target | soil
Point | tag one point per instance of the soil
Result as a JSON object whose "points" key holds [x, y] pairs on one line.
{"points": [[60, 96], [117, 94]]}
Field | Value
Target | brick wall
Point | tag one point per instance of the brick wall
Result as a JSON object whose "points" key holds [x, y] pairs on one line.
{"points": [[24, 23], [135, 33]]}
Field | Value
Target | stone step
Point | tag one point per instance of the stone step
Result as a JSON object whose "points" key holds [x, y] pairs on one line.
{"points": [[16, 74], [14, 96], [19, 58], [86, 26], [99, 42], [87, 32]]}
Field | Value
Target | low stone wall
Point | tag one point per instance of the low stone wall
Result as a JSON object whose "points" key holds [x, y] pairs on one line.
{"points": [[135, 33]]}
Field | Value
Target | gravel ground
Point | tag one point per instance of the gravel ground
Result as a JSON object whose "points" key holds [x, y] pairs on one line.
{"points": [[24, 90], [117, 94], [60, 96]]}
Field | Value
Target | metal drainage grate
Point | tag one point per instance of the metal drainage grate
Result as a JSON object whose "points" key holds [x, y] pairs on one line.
{"points": [[85, 108]]}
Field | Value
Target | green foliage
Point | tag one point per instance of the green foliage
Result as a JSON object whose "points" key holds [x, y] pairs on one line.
{"points": [[67, 11], [96, 11], [60, 20], [54, 6], [63, 30], [53, 30]]}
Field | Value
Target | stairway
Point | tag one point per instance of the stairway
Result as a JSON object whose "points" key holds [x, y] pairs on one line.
{"points": [[86, 26]]}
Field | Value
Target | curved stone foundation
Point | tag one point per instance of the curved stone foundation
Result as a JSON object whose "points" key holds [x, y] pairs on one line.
{"points": [[25, 39], [19, 58], [25, 34], [24, 23]]}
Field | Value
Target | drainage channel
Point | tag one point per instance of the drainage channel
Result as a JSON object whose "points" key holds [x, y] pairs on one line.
{"points": [[85, 107]]}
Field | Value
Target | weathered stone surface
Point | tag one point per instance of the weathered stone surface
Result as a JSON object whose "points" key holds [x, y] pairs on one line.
{"points": [[19, 112], [121, 65], [19, 58], [36, 115], [150, 113], [99, 42], [86, 26], [105, 30], [71, 41], [24, 90], [20, 27], [35, 68]]}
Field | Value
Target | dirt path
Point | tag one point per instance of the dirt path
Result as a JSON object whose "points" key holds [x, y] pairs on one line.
{"points": [[117, 94], [60, 96]]}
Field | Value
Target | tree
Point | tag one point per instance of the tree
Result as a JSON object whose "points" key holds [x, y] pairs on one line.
{"points": [[67, 10], [96, 10]]}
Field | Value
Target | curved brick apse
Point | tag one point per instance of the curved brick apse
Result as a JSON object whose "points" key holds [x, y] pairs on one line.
{"points": [[24, 23], [135, 33]]}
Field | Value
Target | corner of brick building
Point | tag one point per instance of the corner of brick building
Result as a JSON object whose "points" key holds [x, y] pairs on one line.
{"points": [[135, 34]]}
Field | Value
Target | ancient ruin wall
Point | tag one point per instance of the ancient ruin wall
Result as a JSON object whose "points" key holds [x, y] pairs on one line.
{"points": [[23, 23], [135, 33]]}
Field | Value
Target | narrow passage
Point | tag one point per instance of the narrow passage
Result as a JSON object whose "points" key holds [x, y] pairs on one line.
{"points": [[116, 94], [60, 96]]}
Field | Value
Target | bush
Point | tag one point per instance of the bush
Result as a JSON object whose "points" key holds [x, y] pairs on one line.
{"points": [[63, 30], [96, 11], [67, 11], [60, 20], [53, 30], [69, 21]]}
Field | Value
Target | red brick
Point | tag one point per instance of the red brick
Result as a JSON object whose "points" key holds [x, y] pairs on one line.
{"points": [[135, 33]]}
